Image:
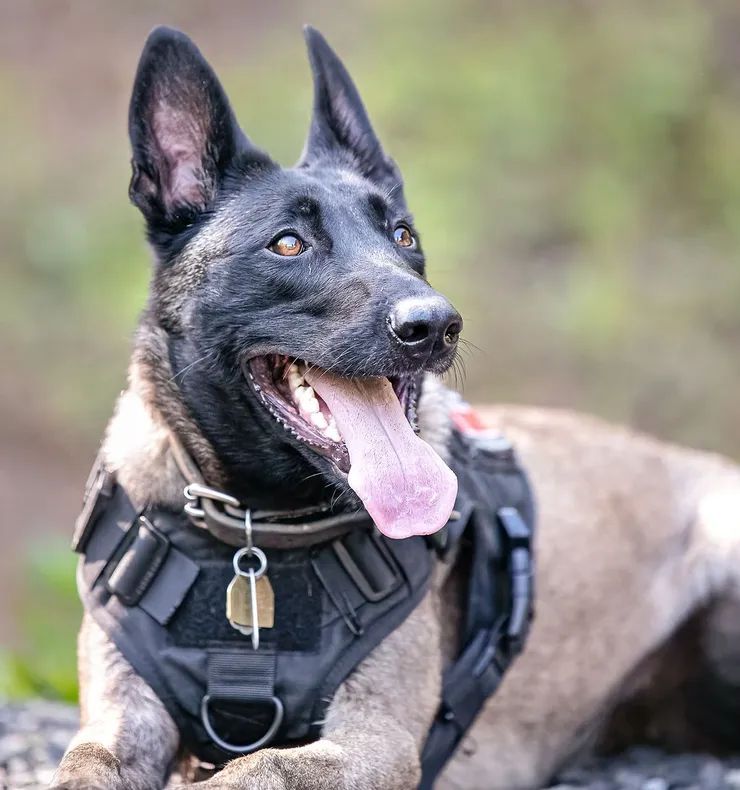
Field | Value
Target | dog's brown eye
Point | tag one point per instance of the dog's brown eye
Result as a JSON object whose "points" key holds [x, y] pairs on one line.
{"points": [[288, 245], [403, 236]]}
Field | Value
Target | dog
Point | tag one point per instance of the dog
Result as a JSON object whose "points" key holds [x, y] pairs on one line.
{"points": [[264, 274]]}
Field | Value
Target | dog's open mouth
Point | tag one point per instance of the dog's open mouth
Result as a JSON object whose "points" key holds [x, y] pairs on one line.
{"points": [[366, 427], [281, 384]]}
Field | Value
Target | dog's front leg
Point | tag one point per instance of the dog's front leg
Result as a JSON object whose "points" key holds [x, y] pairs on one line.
{"points": [[128, 740], [375, 726]]}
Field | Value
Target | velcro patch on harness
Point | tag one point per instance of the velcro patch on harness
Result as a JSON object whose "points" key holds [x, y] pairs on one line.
{"points": [[201, 621]]}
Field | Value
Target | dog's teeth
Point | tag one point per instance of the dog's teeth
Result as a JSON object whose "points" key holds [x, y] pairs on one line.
{"points": [[295, 379], [309, 407], [305, 397], [332, 433], [301, 397], [309, 403]]}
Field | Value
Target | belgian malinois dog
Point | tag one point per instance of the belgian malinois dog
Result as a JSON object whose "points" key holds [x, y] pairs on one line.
{"points": [[264, 276]]}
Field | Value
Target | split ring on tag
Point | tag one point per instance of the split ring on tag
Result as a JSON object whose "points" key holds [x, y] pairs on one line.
{"points": [[250, 599], [250, 552]]}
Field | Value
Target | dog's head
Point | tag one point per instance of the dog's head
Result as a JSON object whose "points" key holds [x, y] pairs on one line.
{"points": [[298, 318]]}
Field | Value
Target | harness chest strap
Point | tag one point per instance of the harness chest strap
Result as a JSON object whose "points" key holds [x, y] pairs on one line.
{"points": [[147, 579]]}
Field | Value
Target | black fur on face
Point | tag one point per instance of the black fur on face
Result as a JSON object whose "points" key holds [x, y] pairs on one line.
{"points": [[237, 304]]}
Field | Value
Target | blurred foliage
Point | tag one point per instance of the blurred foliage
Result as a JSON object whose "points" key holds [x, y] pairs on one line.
{"points": [[45, 663], [574, 169]]}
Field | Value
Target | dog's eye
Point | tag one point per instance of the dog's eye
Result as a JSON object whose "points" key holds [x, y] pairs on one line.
{"points": [[403, 236], [288, 245]]}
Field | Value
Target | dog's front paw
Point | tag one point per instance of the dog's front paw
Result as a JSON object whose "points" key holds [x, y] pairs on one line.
{"points": [[314, 767], [88, 766], [242, 774]]}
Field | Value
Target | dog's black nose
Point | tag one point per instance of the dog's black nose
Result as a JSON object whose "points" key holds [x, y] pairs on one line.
{"points": [[425, 325]]}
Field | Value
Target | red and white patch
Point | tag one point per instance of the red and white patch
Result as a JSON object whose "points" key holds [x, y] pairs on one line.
{"points": [[467, 420]]}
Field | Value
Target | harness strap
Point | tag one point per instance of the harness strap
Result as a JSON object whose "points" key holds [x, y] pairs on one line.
{"points": [[466, 686], [133, 558], [497, 633], [241, 675]]}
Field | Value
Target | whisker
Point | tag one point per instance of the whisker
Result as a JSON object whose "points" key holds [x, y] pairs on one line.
{"points": [[469, 344], [288, 367], [335, 497], [184, 370], [458, 372], [311, 476], [389, 194]]}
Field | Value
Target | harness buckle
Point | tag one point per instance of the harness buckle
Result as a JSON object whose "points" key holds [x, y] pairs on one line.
{"points": [[138, 561], [376, 581], [518, 539]]}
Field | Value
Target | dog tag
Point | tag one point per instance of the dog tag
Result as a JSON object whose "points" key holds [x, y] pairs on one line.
{"points": [[239, 602]]}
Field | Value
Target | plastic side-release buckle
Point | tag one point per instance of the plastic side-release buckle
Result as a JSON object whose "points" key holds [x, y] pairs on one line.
{"points": [[520, 568]]}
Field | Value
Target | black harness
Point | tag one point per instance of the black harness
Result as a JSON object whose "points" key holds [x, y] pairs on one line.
{"points": [[155, 584]]}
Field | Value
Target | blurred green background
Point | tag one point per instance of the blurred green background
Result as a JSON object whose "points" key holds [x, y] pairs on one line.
{"points": [[574, 168]]}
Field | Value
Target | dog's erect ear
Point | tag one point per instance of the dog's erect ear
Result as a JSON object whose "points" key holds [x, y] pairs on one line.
{"points": [[183, 132], [340, 129]]}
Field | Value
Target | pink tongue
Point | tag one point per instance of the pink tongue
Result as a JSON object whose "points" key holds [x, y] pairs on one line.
{"points": [[405, 486]]}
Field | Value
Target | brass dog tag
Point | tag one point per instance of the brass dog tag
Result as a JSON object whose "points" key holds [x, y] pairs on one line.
{"points": [[239, 602], [238, 606]]}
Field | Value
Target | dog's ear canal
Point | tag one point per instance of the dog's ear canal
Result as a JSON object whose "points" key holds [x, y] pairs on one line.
{"points": [[340, 128], [183, 133]]}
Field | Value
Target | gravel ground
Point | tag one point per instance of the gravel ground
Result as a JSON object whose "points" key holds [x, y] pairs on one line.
{"points": [[33, 737]]}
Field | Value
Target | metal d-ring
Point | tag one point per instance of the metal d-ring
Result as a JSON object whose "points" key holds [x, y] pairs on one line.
{"points": [[247, 748], [246, 551]]}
